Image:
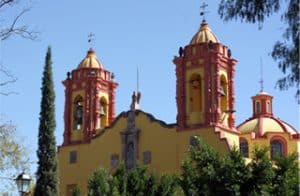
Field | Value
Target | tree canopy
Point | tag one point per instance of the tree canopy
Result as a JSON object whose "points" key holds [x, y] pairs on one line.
{"points": [[47, 179], [285, 51]]}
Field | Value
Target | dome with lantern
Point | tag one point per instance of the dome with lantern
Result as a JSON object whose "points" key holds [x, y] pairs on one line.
{"points": [[263, 121], [204, 35], [91, 61]]}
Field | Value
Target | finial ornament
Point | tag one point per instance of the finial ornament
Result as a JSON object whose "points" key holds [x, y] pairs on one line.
{"points": [[136, 96], [261, 76], [91, 38], [203, 11]]}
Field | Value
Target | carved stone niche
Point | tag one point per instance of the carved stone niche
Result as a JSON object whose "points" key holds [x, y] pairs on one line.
{"points": [[130, 148]]}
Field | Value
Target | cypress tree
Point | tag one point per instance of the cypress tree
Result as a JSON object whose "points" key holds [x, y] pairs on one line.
{"points": [[47, 178]]}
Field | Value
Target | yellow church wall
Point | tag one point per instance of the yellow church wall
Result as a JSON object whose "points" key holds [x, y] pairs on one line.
{"points": [[208, 135], [160, 141], [89, 157], [292, 145], [168, 149], [232, 138]]}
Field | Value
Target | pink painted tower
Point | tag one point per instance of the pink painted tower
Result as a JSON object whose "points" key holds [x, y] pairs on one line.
{"points": [[89, 100], [205, 82]]}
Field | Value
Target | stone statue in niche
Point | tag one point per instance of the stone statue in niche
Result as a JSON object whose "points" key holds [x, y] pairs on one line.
{"points": [[130, 158]]}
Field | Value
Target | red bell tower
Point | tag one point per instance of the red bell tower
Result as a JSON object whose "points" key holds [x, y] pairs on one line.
{"points": [[205, 82], [89, 100]]}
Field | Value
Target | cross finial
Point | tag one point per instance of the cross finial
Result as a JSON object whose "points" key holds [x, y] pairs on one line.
{"points": [[261, 76], [203, 11], [137, 79], [91, 38]]}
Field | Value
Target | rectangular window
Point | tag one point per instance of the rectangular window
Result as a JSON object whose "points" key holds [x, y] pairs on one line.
{"points": [[257, 104], [244, 148], [114, 160], [147, 157], [73, 157]]}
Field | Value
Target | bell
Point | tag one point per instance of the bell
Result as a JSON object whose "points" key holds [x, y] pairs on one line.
{"points": [[102, 113], [222, 92]]}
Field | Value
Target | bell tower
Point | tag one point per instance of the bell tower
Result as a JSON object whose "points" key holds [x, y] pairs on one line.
{"points": [[205, 82], [89, 100]]}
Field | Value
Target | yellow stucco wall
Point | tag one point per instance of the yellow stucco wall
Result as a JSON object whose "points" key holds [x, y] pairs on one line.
{"points": [[168, 148], [292, 144]]}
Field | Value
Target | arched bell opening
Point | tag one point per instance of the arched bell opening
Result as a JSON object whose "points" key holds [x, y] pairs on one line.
{"points": [[102, 113], [78, 113], [195, 85], [223, 92]]}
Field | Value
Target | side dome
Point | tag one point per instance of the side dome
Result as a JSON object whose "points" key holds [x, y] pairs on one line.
{"points": [[204, 35], [90, 61], [261, 125]]}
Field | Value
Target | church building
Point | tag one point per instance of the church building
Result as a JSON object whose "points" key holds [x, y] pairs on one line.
{"points": [[94, 136]]}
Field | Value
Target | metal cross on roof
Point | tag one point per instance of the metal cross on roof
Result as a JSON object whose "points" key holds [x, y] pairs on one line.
{"points": [[261, 76], [203, 12], [91, 38]]}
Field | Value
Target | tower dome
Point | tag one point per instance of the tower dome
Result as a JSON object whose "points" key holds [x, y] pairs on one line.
{"points": [[90, 61], [263, 121], [204, 35]]}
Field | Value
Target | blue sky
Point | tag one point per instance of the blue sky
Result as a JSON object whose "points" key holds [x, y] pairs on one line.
{"points": [[127, 34]]}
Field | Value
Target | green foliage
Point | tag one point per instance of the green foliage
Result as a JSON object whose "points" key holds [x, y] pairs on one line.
{"points": [[137, 180], [76, 191], [168, 185], [99, 183], [286, 180], [204, 172], [286, 51], [13, 154], [262, 172], [127, 182], [120, 179], [200, 170], [248, 10], [47, 179], [233, 173]]}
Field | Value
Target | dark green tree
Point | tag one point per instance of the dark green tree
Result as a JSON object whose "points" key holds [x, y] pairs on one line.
{"points": [[127, 182], [286, 180], [262, 174], [200, 170], [120, 179], [46, 175], [137, 180], [100, 183], [168, 185], [233, 174], [285, 51], [76, 191]]}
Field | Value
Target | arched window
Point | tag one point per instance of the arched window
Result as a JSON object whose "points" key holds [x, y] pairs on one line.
{"points": [[244, 148], [223, 93], [257, 107], [78, 113], [277, 148], [268, 109], [195, 93], [102, 118]]}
